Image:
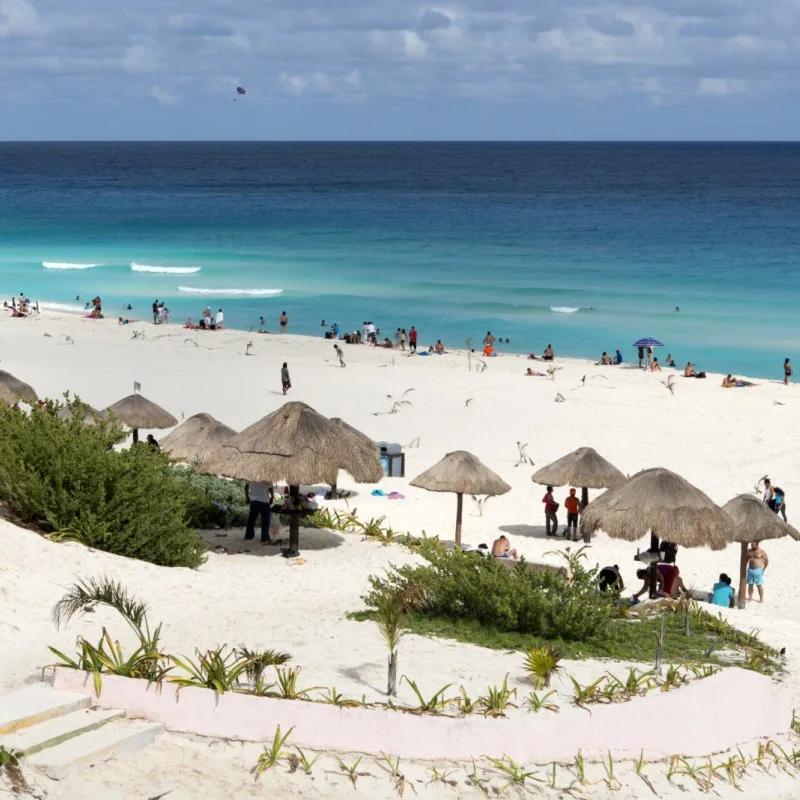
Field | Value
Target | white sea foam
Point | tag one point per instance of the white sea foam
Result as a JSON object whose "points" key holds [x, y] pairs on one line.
{"points": [[164, 270], [232, 292], [564, 309], [71, 309], [66, 265]]}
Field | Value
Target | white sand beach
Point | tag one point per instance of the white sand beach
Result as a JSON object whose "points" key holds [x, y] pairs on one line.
{"points": [[720, 440]]}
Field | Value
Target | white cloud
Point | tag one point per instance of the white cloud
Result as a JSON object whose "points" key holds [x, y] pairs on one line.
{"points": [[346, 87], [720, 87], [413, 45], [17, 17], [139, 59], [163, 96]]}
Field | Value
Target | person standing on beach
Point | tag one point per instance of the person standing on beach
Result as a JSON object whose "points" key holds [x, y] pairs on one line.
{"points": [[286, 381], [402, 338], [757, 562], [573, 506], [550, 509], [340, 354], [488, 340], [787, 371], [155, 312], [259, 497], [412, 339], [220, 320], [284, 321], [641, 356]]}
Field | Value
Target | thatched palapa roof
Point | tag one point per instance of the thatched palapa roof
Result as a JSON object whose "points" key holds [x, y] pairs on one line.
{"points": [[91, 416], [13, 389], [198, 438], [659, 501], [298, 446], [755, 522], [462, 473], [583, 467], [136, 412]]}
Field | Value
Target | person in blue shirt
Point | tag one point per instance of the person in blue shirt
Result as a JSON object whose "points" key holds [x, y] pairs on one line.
{"points": [[722, 593], [618, 357]]}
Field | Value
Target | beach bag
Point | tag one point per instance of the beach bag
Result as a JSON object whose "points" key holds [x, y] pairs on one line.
{"points": [[555, 507]]}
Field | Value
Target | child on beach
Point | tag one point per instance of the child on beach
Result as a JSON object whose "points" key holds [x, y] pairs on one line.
{"points": [[340, 354], [286, 382]]}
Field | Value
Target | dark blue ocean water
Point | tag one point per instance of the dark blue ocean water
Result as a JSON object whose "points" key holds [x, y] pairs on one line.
{"points": [[585, 246]]}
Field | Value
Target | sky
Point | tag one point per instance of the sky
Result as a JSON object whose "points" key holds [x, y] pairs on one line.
{"points": [[385, 69]]}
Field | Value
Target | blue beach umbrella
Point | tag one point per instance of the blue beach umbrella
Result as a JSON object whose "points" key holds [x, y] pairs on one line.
{"points": [[648, 342]]}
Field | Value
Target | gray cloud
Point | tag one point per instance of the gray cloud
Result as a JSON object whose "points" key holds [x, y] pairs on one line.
{"points": [[381, 51]]}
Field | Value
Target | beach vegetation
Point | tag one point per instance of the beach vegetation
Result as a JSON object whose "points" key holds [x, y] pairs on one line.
{"points": [[10, 770], [273, 754], [436, 704], [536, 702], [287, 685], [305, 762], [66, 479], [213, 669], [334, 698], [216, 502], [257, 661], [517, 774], [351, 770], [444, 776], [497, 700], [541, 663]]}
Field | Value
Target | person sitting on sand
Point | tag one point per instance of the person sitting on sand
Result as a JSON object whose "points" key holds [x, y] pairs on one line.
{"points": [[548, 353], [670, 362], [689, 371], [489, 351], [722, 594], [729, 382], [605, 358], [438, 347], [655, 366], [502, 549], [671, 582], [618, 357]]}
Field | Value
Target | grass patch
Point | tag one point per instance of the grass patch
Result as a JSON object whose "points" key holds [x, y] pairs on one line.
{"points": [[629, 638]]}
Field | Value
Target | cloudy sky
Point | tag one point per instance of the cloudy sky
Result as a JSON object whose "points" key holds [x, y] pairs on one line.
{"points": [[393, 69]]}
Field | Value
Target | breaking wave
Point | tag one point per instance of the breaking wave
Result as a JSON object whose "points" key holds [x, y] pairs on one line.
{"points": [[564, 309], [164, 270], [71, 309], [231, 292], [66, 265]]}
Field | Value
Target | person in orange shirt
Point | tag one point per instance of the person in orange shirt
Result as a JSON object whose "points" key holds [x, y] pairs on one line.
{"points": [[573, 506]]}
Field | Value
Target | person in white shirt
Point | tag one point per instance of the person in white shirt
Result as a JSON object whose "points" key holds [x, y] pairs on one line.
{"points": [[220, 319], [259, 496]]}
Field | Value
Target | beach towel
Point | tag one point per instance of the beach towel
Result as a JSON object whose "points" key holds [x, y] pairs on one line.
{"points": [[378, 493], [396, 496]]}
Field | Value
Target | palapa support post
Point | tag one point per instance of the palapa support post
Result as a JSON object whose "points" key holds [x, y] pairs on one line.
{"points": [[135, 435], [334, 491], [741, 601], [294, 520], [584, 497], [459, 512], [653, 568]]}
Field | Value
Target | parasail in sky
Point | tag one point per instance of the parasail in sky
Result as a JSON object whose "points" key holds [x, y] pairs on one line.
{"points": [[241, 90]]}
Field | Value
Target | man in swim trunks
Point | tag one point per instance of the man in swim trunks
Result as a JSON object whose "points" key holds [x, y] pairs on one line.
{"points": [[787, 371], [757, 562], [502, 549]]}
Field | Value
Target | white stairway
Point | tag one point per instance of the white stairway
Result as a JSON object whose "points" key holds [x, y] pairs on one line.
{"points": [[58, 731]]}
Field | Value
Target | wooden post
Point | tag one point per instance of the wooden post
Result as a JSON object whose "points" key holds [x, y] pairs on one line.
{"points": [[459, 509], [392, 688], [587, 538], [135, 435], [741, 601], [334, 492], [294, 519], [654, 565]]}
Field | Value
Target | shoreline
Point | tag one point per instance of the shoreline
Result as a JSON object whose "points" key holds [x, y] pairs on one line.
{"points": [[477, 354]]}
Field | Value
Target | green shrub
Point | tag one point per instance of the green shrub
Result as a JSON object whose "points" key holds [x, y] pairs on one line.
{"points": [[468, 586], [216, 502], [65, 477]]}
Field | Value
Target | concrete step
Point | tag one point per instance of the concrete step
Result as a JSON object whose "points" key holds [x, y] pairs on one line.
{"points": [[115, 739], [36, 703], [59, 729]]}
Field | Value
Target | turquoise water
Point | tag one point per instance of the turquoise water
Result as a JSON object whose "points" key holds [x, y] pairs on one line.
{"points": [[587, 247]]}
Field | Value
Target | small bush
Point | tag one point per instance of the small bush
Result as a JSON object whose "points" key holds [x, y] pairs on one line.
{"points": [[467, 586], [216, 502], [66, 478]]}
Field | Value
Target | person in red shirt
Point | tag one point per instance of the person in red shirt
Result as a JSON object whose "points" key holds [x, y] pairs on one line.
{"points": [[412, 339], [573, 506], [550, 508]]}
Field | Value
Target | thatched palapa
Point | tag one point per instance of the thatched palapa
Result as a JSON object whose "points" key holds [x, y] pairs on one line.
{"points": [[91, 416], [137, 412], [297, 446], [754, 521], [666, 505], [462, 473], [198, 438], [13, 389]]}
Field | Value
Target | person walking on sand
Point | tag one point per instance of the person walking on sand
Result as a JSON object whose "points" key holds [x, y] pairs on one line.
{"points": [[550, 509], [340, 354], [259, 497], [284, 321], [488, 340], [412, 339], [757, 563], [402, 338], [787, 371], [286, 381]]}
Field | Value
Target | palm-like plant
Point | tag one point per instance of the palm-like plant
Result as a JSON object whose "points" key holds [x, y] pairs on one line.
{"points": [[390, 613], [541, 663], [259, 660], [213, 669]]}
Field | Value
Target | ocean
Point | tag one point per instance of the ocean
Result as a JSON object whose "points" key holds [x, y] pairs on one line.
{"points": [[587, 247]]}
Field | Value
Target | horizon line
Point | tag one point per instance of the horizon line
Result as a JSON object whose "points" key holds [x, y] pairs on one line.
{"points": [[401, 141]]}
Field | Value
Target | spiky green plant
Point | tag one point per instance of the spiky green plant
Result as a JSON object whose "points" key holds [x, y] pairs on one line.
{"points": [[351, 770], [259, 660], [436, 704], [214, 669], [306, 763], [541, 663], [517, 775], [497, 700], [274, 753], [287, 685], [537, 703]]}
